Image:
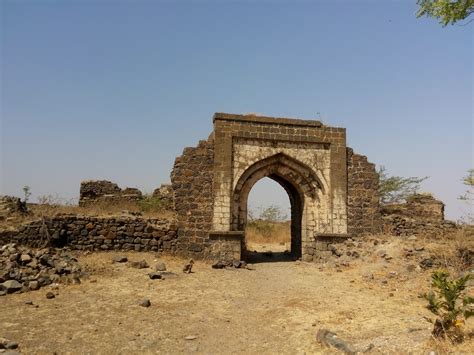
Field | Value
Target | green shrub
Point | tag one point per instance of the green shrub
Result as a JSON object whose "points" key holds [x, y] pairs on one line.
{"points": [[150, 203], [449, 303]]}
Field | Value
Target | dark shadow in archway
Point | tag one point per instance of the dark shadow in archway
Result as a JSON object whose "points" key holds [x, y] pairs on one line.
{"points": [[264, 257]]}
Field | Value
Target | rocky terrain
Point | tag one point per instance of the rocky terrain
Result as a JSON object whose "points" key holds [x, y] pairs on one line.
{"points": [[25, 269], [366, 293]]}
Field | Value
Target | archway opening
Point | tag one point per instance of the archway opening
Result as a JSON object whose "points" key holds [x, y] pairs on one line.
{"points": [[273, 221]]}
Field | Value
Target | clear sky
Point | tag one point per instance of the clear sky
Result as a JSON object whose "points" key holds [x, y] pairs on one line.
{"points": [[116, 89]]}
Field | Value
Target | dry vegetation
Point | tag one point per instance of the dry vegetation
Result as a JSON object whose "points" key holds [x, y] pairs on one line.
{"points": [[277, 307], [264, 235]]}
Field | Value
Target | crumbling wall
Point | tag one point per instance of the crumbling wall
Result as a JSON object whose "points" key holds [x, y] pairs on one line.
{"points": [[192, 183], [97, 233], [165, 195], [93, 191], [421, 214], [9, 205], [363, 206]]}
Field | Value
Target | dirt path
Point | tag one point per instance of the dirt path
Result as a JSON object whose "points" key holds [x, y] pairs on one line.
{"points": [[276, 308]]}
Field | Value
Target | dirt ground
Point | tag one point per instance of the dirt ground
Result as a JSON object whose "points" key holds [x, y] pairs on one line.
{"points": [[275, 308]]}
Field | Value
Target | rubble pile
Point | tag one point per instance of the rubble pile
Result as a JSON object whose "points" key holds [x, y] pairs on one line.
{"points": [[26, 269]]}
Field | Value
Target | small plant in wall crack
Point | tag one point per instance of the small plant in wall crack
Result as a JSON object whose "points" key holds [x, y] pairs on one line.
{"points": [[448, 301]]}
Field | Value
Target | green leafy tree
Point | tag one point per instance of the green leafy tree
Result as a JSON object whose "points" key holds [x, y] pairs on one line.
{"points": [[468, 195], [446, 11], [449, 303], [27, 193], [396, 189], [468, 180]]}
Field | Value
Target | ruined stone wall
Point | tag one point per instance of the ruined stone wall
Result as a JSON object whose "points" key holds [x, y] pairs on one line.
{"points": [[422, 214], [363, 210], [165, 195], [10, 205], [93, 191], [97, 233], [192, 183]]}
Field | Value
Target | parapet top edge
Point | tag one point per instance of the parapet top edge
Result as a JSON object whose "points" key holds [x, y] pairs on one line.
{"points": [[266, 119]]}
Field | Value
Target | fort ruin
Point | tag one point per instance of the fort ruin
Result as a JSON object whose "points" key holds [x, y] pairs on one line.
{"points": [[333, 194], [332, 190]]}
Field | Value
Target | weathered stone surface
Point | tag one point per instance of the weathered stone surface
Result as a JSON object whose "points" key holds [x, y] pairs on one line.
{"points": [[11, 204], [46, 265], [160, 267], [155, 275], [12, 286], [165, 195], [363, 210], [145, 303], [422, 214], [95, 233], [142, 264]]}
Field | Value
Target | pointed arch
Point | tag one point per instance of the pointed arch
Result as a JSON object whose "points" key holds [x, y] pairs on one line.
{"points": [[299, 181]]}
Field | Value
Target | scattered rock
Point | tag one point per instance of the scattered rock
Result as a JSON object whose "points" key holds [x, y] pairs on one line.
{"points": [[120, 259], [145, 303], [25, 268], [50, 295], [411, 267], [142, 264], [12, 286], [29, 303], [222, 264], [219, 265], [427, 263], [160, 267], [8, 344], [328, 338], [155, 275], [190, 337], [25, 259]]}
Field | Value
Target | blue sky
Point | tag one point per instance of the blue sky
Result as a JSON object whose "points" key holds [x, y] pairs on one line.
{"points": [[116, 89]]}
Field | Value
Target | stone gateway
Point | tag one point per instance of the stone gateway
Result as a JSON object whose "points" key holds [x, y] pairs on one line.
{"points": [[332, 191], [333, 194]]}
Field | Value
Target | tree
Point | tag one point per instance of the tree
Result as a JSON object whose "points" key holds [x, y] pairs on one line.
{"points": [[447, 11], [27, 194], [396, 189], [468, 195]]}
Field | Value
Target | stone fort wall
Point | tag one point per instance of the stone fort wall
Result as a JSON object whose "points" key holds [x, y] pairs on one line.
{"points": [[205, 177], [333, 194], [97, 233]]}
